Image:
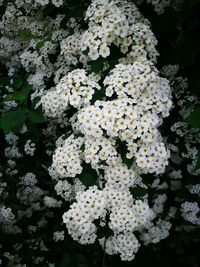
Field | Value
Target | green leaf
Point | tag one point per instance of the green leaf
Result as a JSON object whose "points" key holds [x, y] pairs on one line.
{"points": [[25, 34], [36, 116], [128, 162], [96, 65], [88, 179], [39, 45], [12, 120], [138, 192], [20, 96], [98, 95], [194, 118]]}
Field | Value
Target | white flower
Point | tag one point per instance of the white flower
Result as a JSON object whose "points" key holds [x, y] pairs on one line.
{"points": [[42, 2], [104, 51], [57, 3]]}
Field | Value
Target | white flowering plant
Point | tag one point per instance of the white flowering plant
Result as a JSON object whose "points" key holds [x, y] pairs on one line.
{"points": [[100, 133]]}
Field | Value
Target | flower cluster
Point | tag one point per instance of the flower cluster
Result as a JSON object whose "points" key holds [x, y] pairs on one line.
{"points": [[184, 149], [190, 211], [29, 148], [140, 81], [126, 245], [118, 23], [121, 118], [126, 215], [66, 160], [133, 101], [56, 3], [75, 89]]}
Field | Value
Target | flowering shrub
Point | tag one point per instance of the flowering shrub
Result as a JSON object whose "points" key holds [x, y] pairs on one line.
{"points": [[100, 134]]}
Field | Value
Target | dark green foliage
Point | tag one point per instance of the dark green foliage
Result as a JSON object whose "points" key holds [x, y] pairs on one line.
{"points": [[12, 121], [21, 95], [25, 34], [194, 118]]}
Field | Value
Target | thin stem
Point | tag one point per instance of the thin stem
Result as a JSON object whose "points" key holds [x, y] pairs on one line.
{"points": [[104, 254]]}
